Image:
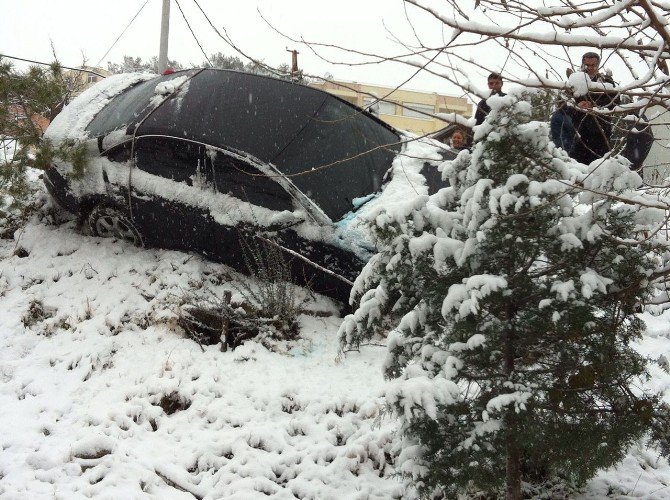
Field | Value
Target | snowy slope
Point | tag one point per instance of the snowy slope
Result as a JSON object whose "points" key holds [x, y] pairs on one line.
{"points": [[89, 350]]}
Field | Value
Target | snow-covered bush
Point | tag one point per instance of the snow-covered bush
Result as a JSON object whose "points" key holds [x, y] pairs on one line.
{"points": [[510, 297]]}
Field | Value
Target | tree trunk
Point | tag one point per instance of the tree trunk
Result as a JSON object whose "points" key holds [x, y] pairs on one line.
{"points": [[513, 463], [513, 466]]}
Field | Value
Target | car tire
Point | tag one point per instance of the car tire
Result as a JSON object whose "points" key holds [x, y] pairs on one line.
{"points": [[110, 222]]}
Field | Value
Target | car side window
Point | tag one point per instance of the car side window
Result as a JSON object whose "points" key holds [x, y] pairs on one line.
{"points": [[120, 153], [243, 181], [180, 161]]}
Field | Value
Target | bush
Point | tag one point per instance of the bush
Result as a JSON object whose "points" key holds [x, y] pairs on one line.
{"points": [[267, 308]]}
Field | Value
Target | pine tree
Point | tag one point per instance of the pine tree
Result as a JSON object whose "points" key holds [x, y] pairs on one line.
{"points": [[29, 100], [511, 297], [132, 64]]}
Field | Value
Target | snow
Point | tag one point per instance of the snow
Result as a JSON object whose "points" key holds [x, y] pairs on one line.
{"points": [[90, 352], [89, 347], [7, 149], [168, 87], [498, 403], [579, 82], [593, 282], [82, 383], [465, 297]]}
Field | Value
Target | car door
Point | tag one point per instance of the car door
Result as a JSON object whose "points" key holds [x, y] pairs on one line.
{"points": [[248, 205], [256, 202], [168, 192]]}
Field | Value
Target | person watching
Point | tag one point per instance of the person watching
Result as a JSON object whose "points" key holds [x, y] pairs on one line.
{"points": [[495, 83], [457, 140], [594, 130]]}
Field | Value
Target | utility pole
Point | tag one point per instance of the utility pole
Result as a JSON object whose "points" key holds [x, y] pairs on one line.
{"points": [[165, 31], [296, 74]]}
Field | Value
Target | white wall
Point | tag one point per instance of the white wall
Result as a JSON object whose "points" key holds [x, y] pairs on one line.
{"points": [[657, 164]]}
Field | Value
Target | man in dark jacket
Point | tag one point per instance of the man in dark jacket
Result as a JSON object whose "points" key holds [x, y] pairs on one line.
{"points": [[595, 130], [562, 128], [495, 82]]}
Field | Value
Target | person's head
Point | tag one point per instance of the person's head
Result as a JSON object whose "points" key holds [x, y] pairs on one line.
{"points": [[457, 139], [495, 82], [590, 63]]}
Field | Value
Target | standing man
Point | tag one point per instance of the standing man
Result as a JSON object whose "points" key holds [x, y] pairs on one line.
{"points": [[595, 130], [495, 82]]}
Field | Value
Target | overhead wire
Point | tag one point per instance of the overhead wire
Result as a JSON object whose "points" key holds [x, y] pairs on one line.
{"points": [[122, 33], [232, 45], [192, 33], [49, 64]]}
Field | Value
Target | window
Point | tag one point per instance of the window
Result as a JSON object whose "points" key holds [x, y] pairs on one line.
{"points": [[385, 108], [180, 161], [344, 154], [92, 78], [128, 107], [416, 110], [120, 153], [244, 182], [350, 99]]}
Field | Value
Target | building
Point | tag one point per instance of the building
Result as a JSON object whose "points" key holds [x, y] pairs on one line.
{"points": [[409, 110], [18, 114], [657, 165], [82, 78]]}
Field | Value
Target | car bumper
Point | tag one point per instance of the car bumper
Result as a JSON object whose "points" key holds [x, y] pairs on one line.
{"points": [[59, 190]]}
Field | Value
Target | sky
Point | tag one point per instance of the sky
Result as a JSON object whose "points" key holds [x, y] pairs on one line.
{"points": [[87, 29]]}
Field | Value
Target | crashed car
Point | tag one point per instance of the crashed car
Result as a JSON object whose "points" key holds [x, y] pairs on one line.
{"points": [[202, 160]]}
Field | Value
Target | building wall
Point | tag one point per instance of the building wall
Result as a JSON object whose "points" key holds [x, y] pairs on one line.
{"points": [[79, 81], [403, 108], [19, 114], [657, 164]]}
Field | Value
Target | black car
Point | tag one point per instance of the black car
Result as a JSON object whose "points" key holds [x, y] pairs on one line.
{"points": [[200, 159]]}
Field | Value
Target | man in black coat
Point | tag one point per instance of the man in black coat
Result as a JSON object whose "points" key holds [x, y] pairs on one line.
{"points": [[495, 82], [594, 130]]}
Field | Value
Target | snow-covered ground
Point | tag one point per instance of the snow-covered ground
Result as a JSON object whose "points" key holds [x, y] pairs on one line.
{"points": [[102, 396]]}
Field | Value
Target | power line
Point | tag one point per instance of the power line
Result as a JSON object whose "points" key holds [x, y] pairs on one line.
{"points": [[232, 45], [192, 33], [124, 30], [225, 39], [49, 64]]}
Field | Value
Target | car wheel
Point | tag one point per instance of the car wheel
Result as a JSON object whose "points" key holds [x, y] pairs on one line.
{"points": [[110, 222]]}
